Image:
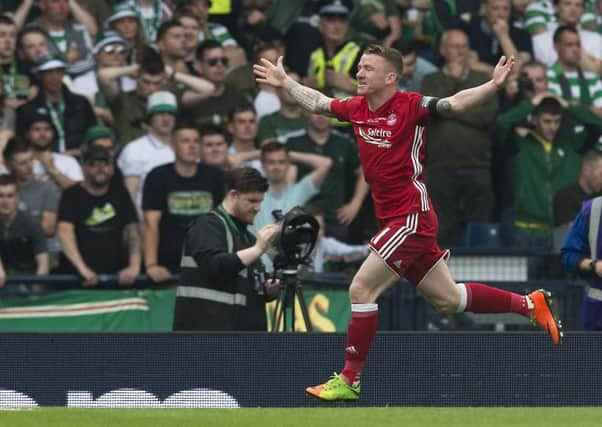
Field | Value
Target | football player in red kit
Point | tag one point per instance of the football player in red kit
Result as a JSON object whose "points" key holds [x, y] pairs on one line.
{"points": [[389, 126]]}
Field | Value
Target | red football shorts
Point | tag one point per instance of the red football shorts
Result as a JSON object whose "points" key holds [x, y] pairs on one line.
{"points": [[408, 244]]}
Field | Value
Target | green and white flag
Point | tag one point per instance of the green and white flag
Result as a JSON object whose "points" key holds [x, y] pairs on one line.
{"points": [[90, 311]]}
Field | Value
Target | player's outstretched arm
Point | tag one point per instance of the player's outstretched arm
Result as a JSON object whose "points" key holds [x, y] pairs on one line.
{"points": [[274, 75], [469, 98]]}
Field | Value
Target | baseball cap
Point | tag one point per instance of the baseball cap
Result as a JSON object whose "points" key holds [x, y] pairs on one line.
{"points": [[336, 7], [96, 153], [105, 38], [95, 132], [122, 10], [162, 102], [49, 62], [41, 114]]}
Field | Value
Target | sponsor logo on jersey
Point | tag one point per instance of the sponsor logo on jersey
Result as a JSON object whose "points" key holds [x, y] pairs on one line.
{"points": [[377, 136], [392, 119]]}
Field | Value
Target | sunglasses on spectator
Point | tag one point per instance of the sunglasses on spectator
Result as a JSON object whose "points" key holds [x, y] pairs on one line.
{"points": [[335, 17], [113, 48], [214, 61], [95, 163]]}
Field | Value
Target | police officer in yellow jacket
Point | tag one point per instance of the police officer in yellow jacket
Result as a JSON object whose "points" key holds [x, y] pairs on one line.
{"points": [[333, 66]]}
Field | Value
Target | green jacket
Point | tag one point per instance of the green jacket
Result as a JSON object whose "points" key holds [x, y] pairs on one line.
{"points": [[535, 174]]}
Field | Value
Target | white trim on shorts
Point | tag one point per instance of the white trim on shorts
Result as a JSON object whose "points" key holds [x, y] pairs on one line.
{"points": [[397, 239]]}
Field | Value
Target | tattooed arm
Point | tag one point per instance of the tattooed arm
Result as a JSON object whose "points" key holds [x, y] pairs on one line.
{"points": [[469, 98], [308, 98], [131, 237], [466, 99]]}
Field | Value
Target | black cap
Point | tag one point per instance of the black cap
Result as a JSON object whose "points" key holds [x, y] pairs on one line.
{"points": [[96, 153], [40, 115]]}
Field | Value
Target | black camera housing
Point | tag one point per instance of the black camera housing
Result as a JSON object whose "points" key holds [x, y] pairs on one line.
{"points": [[296, 239]]}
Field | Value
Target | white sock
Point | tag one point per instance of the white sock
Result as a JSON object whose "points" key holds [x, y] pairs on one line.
{"points": [[364, 308], [463, 298]]}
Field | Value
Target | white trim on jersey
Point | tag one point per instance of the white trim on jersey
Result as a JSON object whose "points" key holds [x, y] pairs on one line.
{"points": [[416, 145], [399, 236]]}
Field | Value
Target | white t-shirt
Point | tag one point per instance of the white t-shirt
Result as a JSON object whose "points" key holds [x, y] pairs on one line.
{"points": [[65, 164], [87, 85], [266, 103], [543, 45], [141, 156]]}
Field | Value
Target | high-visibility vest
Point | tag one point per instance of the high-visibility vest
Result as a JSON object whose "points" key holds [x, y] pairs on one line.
{"points": [[342, 62], [220, 7], [595, 218]]}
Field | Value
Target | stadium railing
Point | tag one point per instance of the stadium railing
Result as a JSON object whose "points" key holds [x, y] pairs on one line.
{"points": [[402, 308]]}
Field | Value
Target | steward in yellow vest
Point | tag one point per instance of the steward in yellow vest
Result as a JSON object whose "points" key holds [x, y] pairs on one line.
{"points": [[332, 67]]}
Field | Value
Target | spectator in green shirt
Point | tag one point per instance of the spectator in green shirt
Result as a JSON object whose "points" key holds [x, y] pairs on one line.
{"points": [[543, 160], [287, 122], [340, 198]]}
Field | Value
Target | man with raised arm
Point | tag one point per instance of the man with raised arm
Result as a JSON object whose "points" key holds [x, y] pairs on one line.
{"points": [[389, 128]]}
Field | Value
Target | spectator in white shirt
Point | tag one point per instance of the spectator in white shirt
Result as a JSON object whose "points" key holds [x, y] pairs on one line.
{"points": [[59, 169], [569, 13], [142, 155]]}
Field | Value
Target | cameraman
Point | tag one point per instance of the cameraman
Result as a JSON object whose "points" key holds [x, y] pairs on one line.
{"points": [[222, 285], [523, 84]]}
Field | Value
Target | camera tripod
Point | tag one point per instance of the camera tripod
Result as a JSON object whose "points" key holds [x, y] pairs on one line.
{"points": [[284, 314]]}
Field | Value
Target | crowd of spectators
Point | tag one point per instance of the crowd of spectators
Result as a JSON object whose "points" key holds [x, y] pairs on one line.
{"points": [[118, 120]]}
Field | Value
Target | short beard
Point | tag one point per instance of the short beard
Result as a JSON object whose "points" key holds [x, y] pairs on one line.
{"points": [[40, 148], [100, 185]]}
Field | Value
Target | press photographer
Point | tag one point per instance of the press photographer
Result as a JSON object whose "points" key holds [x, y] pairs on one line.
{"points": [[222, 285]]}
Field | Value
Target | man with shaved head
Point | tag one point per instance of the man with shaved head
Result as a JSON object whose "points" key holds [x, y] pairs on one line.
{"points": [[459, 151]]}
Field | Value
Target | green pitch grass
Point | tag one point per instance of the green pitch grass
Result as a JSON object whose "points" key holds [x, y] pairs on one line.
{"points": [[306, 417]]}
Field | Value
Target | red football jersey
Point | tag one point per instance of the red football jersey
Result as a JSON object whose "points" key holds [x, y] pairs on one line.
{"points": [[391, 144]]}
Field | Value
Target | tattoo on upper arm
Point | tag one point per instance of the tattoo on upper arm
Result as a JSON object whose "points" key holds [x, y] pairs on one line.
{"points": [[131, 236], [310, 99]]}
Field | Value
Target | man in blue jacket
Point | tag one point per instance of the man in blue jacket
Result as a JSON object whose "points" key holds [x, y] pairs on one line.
{"points": [[580, 254]]}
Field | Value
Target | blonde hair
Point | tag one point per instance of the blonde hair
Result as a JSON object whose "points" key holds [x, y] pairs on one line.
{"points": [[390, 55]]}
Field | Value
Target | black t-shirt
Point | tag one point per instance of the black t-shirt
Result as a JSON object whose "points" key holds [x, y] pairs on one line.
{"points": [[20, 242], [180, 200], [99, 222], [487, 46]]}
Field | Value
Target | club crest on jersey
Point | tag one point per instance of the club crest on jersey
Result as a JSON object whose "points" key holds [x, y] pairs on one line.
{"points": [[376, 136], [392, 119]]}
